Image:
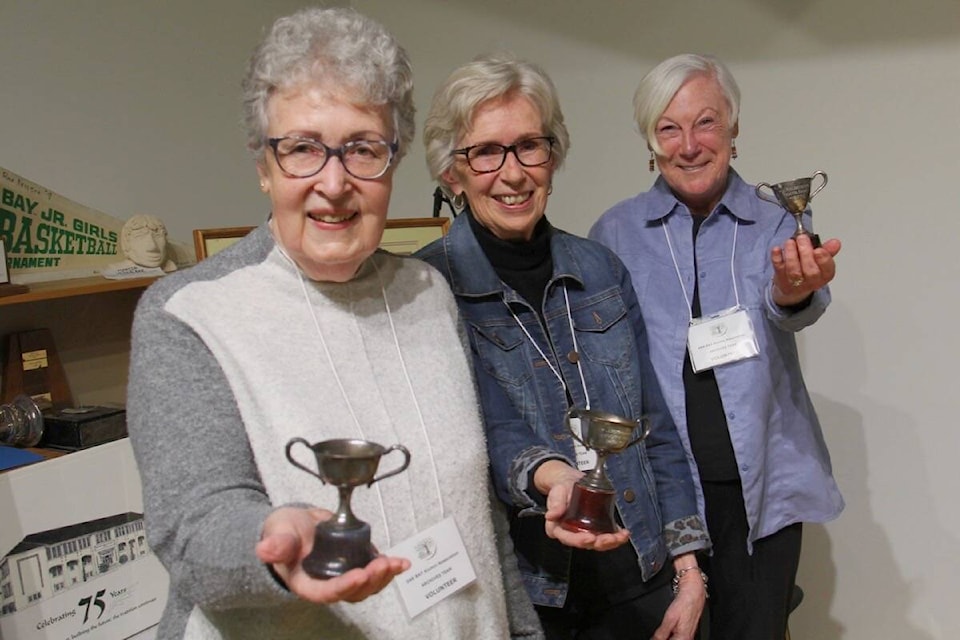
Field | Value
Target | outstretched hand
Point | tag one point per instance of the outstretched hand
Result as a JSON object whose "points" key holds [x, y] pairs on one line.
{"points": [[288, 538], [799, 269], [559, 479]]}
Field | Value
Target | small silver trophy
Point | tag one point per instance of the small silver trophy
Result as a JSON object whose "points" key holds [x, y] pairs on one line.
{"points": [[592, 502], [21, 423], [343, 542], [793, 196]]}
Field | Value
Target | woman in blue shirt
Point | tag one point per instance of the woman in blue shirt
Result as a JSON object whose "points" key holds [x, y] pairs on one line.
{"points": [[723, 287]]}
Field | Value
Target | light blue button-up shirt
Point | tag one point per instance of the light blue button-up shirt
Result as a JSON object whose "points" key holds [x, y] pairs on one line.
{"points": [[781, 455]]}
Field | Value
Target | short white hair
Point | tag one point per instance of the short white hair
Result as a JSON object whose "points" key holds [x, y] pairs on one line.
{"points": [[661, 83]]}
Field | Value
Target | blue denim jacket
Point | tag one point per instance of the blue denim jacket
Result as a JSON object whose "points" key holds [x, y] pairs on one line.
{"points": [[524, 404]]}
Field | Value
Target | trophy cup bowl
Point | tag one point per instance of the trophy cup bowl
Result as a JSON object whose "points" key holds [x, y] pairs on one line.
{"points": [[591, 504], [794, 195], [343, 542], [21, 423]]}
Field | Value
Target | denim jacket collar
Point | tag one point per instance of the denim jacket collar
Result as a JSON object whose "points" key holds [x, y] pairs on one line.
{"points": [[481, 279]]}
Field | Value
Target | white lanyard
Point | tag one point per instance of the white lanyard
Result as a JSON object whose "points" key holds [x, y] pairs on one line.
{"points": [[343, 392], [676, 266], [575, 353]]}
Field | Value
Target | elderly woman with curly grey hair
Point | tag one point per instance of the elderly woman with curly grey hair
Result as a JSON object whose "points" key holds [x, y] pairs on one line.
{"points": [[553, 323], [304, 329]]}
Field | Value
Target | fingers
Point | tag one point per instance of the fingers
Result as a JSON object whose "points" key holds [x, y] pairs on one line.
{"points": [[799, 268], [585, 539], [353, 586]]}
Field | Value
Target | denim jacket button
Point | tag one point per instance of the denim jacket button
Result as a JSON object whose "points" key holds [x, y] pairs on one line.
{"points": [[629, 495]]}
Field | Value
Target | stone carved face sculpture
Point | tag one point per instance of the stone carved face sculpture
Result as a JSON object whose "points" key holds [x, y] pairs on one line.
{"points": [[143, 241]]}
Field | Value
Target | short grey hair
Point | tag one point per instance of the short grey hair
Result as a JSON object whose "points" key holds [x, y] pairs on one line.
{"points": [[488, 77], [661, 83], [338, 47]]}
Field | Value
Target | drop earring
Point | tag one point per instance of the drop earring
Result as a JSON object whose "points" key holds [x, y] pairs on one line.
{"points": [[459, 201], [652, 164], [733, 149]]}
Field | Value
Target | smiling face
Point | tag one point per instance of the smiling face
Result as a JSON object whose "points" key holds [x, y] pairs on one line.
{"points": [[331, 222], [696, 138], [510, 201]]}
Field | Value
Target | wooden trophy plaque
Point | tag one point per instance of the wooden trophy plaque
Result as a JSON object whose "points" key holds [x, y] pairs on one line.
{"points": [[33, 368]]}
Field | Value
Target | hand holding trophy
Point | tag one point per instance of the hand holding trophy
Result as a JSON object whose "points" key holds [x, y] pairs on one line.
{"points": [[592, 501], [343, 542], [794, 195]]}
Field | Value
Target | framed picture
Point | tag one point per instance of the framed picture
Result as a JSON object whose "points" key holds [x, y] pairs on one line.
{"points": [[207, 242], [403, 236], [4, 276]]}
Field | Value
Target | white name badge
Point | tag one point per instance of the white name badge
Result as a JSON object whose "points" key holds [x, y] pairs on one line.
{"points": [[439, 567], [721, 338], [586, 458]]}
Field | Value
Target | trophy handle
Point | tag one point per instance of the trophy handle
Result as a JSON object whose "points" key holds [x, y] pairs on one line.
{"points": [[822, 184], [643, 435], [406, 463], [763, 196], [294, 462]]}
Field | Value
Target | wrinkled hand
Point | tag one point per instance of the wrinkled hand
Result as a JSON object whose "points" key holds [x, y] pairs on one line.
{"points": [[560, 481], [288, 538], [682, 618], [799, 269]]}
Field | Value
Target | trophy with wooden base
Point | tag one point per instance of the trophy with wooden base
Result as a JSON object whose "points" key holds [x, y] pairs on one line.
{"points": [[591, 505]]}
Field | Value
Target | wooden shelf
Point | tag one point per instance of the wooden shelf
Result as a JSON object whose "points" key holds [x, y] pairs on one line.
{"points": [[56, 289]]}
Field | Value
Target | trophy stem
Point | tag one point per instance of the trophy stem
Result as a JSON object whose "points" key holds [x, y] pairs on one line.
{"points": [[344, 516]]}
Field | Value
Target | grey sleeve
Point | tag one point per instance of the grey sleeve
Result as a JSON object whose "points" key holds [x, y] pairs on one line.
{"points": [[203, 499], [521, 615]]}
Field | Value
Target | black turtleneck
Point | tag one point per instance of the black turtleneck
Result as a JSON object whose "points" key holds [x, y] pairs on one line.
{"points": [[523, 265]]}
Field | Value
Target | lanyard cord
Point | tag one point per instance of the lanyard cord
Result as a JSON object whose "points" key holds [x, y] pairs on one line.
{"points": [[416, 403], [343, 392], [676, 266], [576, 350]]}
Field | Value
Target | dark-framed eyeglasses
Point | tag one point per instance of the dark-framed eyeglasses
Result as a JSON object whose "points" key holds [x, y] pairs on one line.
{"points": [[305, 157], [489, 157]]}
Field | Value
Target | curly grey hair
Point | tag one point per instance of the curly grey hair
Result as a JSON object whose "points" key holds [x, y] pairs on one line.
{"points": [[338, 46], [488, 77], [661, 83]]}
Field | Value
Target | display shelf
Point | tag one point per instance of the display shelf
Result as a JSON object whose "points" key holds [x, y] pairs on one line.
{"points": [[56, 289]]}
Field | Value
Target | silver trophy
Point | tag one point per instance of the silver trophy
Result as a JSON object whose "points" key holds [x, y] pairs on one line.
{"points": [[21, 423], [592, 502], [343, 542], [794, 195]]}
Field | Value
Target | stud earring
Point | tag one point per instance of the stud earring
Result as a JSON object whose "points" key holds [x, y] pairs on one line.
{"points": [[733, 149], [652, 163]]}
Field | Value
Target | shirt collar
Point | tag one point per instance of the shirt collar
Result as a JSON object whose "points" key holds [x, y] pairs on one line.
{"points": [[737, 200]]}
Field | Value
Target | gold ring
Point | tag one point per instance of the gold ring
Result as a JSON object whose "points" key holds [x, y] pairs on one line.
{"points": [[796, 282]]}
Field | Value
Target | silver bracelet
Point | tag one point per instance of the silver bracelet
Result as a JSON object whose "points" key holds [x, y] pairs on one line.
{"points": [[682, 572]]}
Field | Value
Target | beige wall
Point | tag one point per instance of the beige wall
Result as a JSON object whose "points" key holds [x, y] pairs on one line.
{"points": [[131, 107]]}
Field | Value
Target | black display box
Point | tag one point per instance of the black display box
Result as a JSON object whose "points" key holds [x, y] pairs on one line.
{"points": [[82, 427]]}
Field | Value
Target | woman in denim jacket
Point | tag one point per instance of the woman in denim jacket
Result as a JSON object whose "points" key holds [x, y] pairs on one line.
{"points": [[553, 323]]}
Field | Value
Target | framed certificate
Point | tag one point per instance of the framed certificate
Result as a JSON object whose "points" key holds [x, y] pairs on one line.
{"points": [[207, 242], [404, 236]]}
